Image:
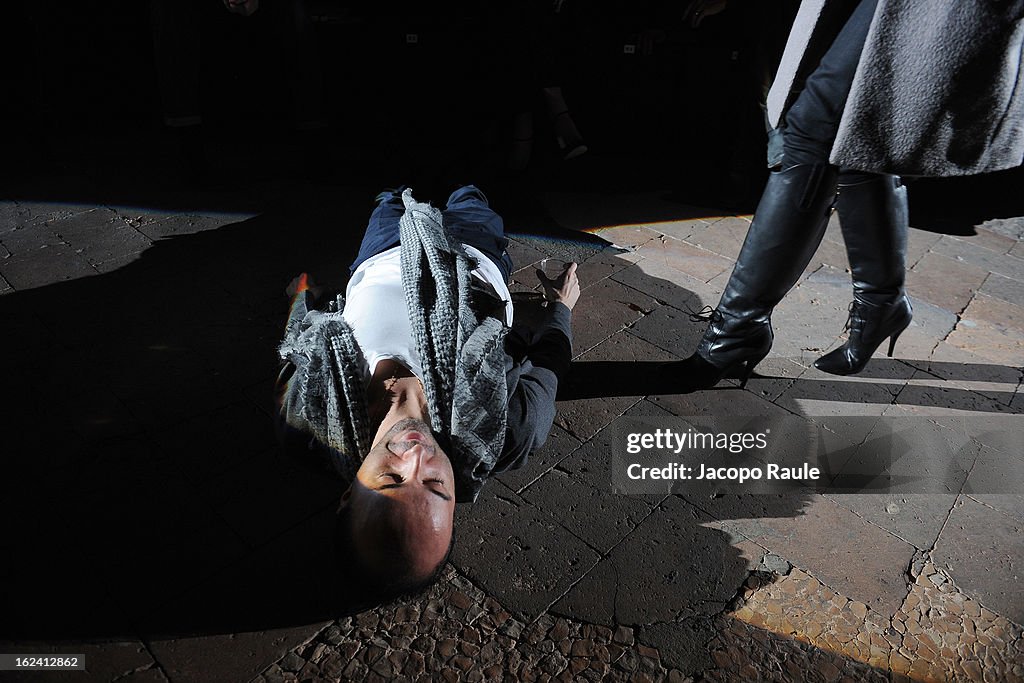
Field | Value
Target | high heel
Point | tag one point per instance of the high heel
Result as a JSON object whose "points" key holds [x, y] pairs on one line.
{"points": [[787, 228], [729, 349], [892, 342], [869, 326], [873, 216]]}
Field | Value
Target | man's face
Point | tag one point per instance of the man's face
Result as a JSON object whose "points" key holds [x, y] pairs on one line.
{"points": [[402, 501]]}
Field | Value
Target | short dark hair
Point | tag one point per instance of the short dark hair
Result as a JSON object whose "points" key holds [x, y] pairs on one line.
{"points": [[380, 588]]}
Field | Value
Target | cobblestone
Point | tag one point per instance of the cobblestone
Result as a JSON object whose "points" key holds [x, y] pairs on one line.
{"points": [[549, 646], [938, 633]]}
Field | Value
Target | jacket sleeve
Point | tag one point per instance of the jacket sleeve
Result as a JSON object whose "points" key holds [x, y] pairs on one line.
{"points": [[536, 363]]}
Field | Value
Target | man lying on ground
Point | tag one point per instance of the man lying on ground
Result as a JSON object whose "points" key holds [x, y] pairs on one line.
{"points": [[415, 385]]}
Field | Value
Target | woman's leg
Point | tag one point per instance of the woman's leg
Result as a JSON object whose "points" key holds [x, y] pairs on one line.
{"points": [[789, 222], [873, 215]]}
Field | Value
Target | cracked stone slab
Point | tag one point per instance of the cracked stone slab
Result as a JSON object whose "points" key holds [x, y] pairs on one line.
{"points": [[991, 261], [631, 236], [919, 243], [525, 255], [1010, 290], [699, 263], [669, 329], [671, 567], [682, 229], [944, 281], [837, 557], [205, 658], [968, 371], [811, 316], [924, 395], [610, 378], [821, 395], [100, 236], [668, 285], [45, 266], [595, 515], [939, 633], [517, 553], [723, 237], [559, 444], [725, 399], [982, 550], [604, 264], [607, 308], [992, 329]]}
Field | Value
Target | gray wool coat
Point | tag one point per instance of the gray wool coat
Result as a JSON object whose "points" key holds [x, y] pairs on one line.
{"points": [[939, 90]]}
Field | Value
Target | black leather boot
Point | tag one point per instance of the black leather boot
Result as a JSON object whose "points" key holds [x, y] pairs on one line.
{"points": [[873, 216], [788, 226]]}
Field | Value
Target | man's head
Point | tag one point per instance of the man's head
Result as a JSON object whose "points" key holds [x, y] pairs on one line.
{"points": [[396, 517]]}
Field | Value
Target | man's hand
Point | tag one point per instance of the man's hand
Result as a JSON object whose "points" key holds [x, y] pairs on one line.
{"points": [[698, 9], [243, 7], [565, 288]]}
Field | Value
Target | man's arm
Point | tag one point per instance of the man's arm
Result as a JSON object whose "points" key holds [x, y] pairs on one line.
{"points": [[537, 366]]}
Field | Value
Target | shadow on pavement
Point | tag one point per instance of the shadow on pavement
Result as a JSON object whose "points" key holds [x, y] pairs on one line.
{"points": [[146, 497]]}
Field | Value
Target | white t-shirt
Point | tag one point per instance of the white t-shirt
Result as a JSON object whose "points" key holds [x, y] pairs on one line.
{"points": [[376, 311]]}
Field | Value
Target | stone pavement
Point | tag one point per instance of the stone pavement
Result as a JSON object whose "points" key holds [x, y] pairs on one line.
{"points": [[154, 526]]}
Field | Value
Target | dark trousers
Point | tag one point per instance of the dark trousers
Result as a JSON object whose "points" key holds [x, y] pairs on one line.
{"points": [[467, 217], [812, 122]]}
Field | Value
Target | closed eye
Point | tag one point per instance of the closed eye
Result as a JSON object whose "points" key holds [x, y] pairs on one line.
{"points": [[436, 491]]}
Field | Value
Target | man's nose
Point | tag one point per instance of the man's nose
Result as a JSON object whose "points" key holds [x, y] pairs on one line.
{"points": [[414, 454]]}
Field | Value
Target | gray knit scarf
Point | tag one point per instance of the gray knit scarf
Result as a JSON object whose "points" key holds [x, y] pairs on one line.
{"points": [[462, 356]]}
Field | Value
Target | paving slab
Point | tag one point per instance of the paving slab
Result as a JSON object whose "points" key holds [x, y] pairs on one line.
{"points": [[604, 264], [100, 235], [668, 285], [726, 399], [919, 243], [945, 281], [699, 263], [670, 331], [670, 568], [517, 553], [980, 548], [811, 316], [607, 380], [964, 251], [1010, 290], [593, 514], [923, 395], [627, 235], [684, 228], [837, 558], [608, 308], [991, 329], [961, 369], [723, 237], [205, 658], [524, 252], [996, 235], [44, 266], [558, 446]]}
